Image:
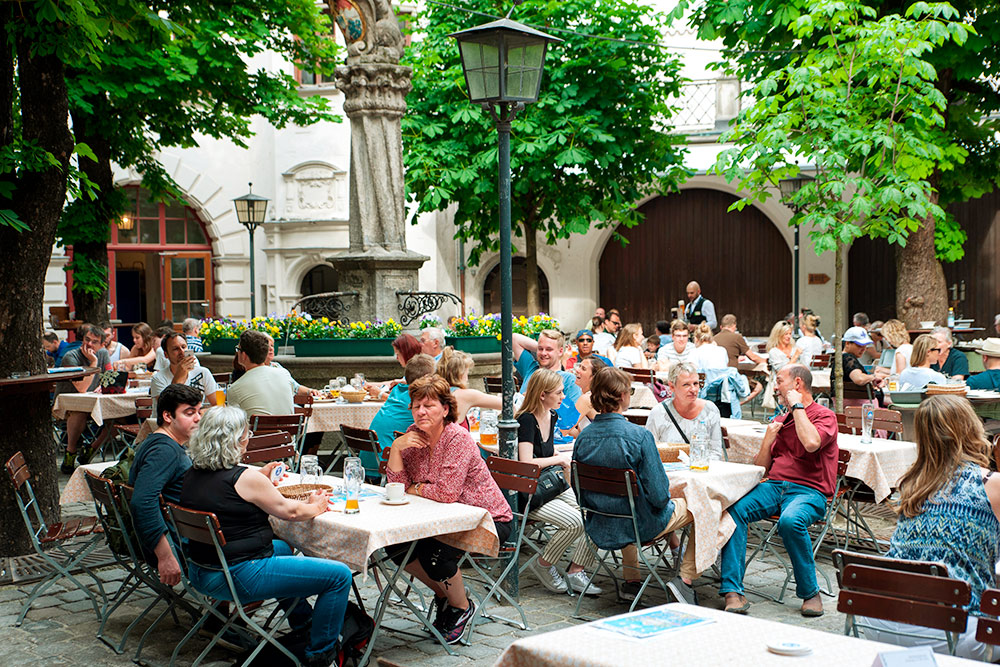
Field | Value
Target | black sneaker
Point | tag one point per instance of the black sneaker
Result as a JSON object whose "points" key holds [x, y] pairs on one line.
{"points": [[68, 464], [84, 455], [438, 609], [454, 622], [629, 589]]}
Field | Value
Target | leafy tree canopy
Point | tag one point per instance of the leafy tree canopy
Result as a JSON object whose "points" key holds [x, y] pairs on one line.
{"points": [[594, 144]]}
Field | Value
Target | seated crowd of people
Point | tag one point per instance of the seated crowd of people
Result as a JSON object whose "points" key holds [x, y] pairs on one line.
{"points": [[949, 502]]}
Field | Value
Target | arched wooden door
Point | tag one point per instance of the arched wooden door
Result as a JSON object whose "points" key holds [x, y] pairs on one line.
{"points": [[740, 259]]}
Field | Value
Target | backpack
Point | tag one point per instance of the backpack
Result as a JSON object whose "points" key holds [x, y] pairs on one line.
{"points": [[118, 473]]}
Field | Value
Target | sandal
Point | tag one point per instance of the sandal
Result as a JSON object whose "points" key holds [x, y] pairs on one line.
{"points": [[739, 608]]}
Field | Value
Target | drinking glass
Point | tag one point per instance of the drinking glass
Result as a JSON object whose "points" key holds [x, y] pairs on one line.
{"points": [[354, 475], [310, 470], [488, 429], [867, 420]]}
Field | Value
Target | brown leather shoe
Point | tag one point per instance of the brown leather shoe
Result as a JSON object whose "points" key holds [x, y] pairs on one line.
{"points": [[813, 607], [737, 604]]}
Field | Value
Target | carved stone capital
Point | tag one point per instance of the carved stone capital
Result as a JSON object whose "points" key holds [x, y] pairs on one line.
{"points": [[374, 88]]}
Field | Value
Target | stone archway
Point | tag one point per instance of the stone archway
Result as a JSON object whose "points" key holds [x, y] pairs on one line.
{"points": [[740, 258]]}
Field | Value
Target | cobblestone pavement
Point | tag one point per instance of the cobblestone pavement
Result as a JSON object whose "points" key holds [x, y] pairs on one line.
{"points": [[60, 629]]}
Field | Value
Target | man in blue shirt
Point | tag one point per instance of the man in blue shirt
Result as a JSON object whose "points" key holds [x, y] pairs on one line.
{"points": [[989, 378], [951, 362], [54, 347], [395, 414], [158, 468], [547, 352], [611, 441]]}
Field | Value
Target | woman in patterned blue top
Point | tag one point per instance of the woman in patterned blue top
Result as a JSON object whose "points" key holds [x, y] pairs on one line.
{"points": [[949, 513]]}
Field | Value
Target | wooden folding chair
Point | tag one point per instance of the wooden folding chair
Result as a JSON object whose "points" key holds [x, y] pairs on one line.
{"points": [[267, 447], [303, 404], [127, 433], [820, 361], [221, 380], [509, 476], [643, 375], [294, 425], [885, 420], [636, 418], [988, 625], [493, 384], [621, 483], [359, 440], [896, 595], [726, 442], [57, 544]]}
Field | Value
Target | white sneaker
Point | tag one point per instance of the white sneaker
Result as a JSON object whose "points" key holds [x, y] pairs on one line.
{"points": [[579, 582], [548, 576]]}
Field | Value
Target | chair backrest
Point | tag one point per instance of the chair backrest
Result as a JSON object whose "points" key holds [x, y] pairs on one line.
{"points": [[988, 627], [267, 447], [20, 479], [885, 420], [221, 379], [820, 361], [514, 475], [726, 443], [383, 462], [397, 434], [303, 404], [905, 597], [361, 439], [294, 425], [637, 418], [143, 408], [493, 384], [996, 452], [114, 517], [643, 375], [842, 558], [196, 526], [621, 482]]}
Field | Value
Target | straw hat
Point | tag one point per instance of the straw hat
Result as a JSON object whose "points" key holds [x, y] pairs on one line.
{"points": [[991, 348]]}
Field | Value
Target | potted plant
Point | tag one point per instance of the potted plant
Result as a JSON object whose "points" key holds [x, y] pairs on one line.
{"points": [[322, 338]]}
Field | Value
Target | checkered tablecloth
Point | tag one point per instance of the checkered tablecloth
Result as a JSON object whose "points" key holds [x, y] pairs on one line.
{"points": [[879, 464], [328, 415], [76, 490], [353, 538], [98, 406]]}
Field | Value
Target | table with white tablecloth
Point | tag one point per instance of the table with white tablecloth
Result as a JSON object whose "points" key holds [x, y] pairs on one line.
{"points": [[99, 406], [76, 489], [727, 639], [328, 415], [880, 463]]}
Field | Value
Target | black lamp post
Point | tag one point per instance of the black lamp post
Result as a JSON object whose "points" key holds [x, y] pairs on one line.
{"points": [[250, 210], [503, 63], [788, 187]]}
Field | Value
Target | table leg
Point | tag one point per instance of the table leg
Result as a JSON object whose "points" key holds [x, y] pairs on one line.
{"points": [[383, 600]]}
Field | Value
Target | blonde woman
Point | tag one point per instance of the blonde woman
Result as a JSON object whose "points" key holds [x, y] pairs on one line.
{"points": [[949, 512], [898, 357], [454, 367], [628, 347], [780, 349], [809, 342], [920, 374], [536, 426], [707, 354]]}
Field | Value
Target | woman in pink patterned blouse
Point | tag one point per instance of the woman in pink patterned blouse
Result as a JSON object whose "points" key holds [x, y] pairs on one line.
{"points": [[437, 459]]}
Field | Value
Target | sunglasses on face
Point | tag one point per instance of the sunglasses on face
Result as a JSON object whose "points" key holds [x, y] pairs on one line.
{"points": [[584, 340]]}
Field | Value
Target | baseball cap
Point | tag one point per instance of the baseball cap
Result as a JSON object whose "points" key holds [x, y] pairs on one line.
{"points": [[584, 332], [857, 335]]}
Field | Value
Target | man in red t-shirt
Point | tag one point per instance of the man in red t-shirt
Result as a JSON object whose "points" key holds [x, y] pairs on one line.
{"points": [[800, 454]]}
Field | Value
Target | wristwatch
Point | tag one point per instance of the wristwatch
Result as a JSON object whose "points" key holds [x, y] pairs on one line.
{"points": [[797, 406]]}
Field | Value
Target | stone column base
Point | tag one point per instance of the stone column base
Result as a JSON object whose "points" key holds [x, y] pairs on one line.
{"points": [[376, 275]]}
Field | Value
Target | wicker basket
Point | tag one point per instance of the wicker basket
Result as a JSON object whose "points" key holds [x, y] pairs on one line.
{"points": [[669, 451], [950, 389], [353, 396], [302, 491]]}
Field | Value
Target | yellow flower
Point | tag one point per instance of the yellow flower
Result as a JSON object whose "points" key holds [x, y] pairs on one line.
{"points": [[325, 321]]}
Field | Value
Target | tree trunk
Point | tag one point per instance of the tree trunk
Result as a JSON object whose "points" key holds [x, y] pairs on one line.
{"points": [[24, 259], [531, 270], [838, 326], [91, 307], [921, 292]]}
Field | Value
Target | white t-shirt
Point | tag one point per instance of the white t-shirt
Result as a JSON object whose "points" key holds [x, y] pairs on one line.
{"points": [[906, 349], [629, 357], [810, 346], [670, 354], [918, 378], [263, 390], [199, 378], [777, 358], [663, 429], [603, 341], [161, 359], [710, 355]]}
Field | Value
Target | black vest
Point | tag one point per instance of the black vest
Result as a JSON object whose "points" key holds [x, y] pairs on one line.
{"points": [[692, 312]]}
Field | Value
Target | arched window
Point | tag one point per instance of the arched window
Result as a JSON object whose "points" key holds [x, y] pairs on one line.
{"points": [[519, 289], [319, 279]]}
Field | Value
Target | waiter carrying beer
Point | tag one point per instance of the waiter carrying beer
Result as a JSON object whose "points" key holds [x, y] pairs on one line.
{"points": [[699, 309]]}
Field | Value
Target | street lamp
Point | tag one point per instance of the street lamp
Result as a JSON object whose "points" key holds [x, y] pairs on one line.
{"points": [[250, 210], [788, 188], [503, 63]]}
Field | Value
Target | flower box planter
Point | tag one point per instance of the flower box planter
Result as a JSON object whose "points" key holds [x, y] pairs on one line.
{"points": [[223, 346], [344, 347], [474, 344]]}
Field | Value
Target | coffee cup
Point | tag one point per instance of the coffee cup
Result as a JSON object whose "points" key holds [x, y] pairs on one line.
{"points": [[394, 492]]}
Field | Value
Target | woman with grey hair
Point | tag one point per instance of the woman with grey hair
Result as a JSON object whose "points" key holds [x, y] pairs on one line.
{"points": [[675, 419], [263, 567]]}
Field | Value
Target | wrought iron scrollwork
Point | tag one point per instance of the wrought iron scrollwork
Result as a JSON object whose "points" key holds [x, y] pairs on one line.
{"points": [[416, 304], [326, 304]]}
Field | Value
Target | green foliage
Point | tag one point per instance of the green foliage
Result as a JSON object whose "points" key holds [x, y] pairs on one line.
{"points": [[90, 276], [594, 144], [862, 107], [88, 220], [758, 39]]}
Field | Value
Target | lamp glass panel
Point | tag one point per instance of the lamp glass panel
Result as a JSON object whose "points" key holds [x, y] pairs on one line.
{"points": [[482, 69], [241, 210], [524, 63], [258, 210]]}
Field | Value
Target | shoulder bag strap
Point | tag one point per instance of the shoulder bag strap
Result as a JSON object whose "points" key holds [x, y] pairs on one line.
{"points": [[670, 413]]}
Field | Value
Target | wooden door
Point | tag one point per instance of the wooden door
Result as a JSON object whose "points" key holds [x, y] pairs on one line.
{"points": [[739, 258], [187, 285]]}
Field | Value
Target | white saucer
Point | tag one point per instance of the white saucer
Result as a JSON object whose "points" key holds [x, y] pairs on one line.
{"points": [[401, 501], [789, 648]]}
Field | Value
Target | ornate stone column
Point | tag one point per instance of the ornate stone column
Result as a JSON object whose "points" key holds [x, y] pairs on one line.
{"points": [[378, 263]]}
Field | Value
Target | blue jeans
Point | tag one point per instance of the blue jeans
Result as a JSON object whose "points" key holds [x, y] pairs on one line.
{"points": [[286, 577], [798, 507]]}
